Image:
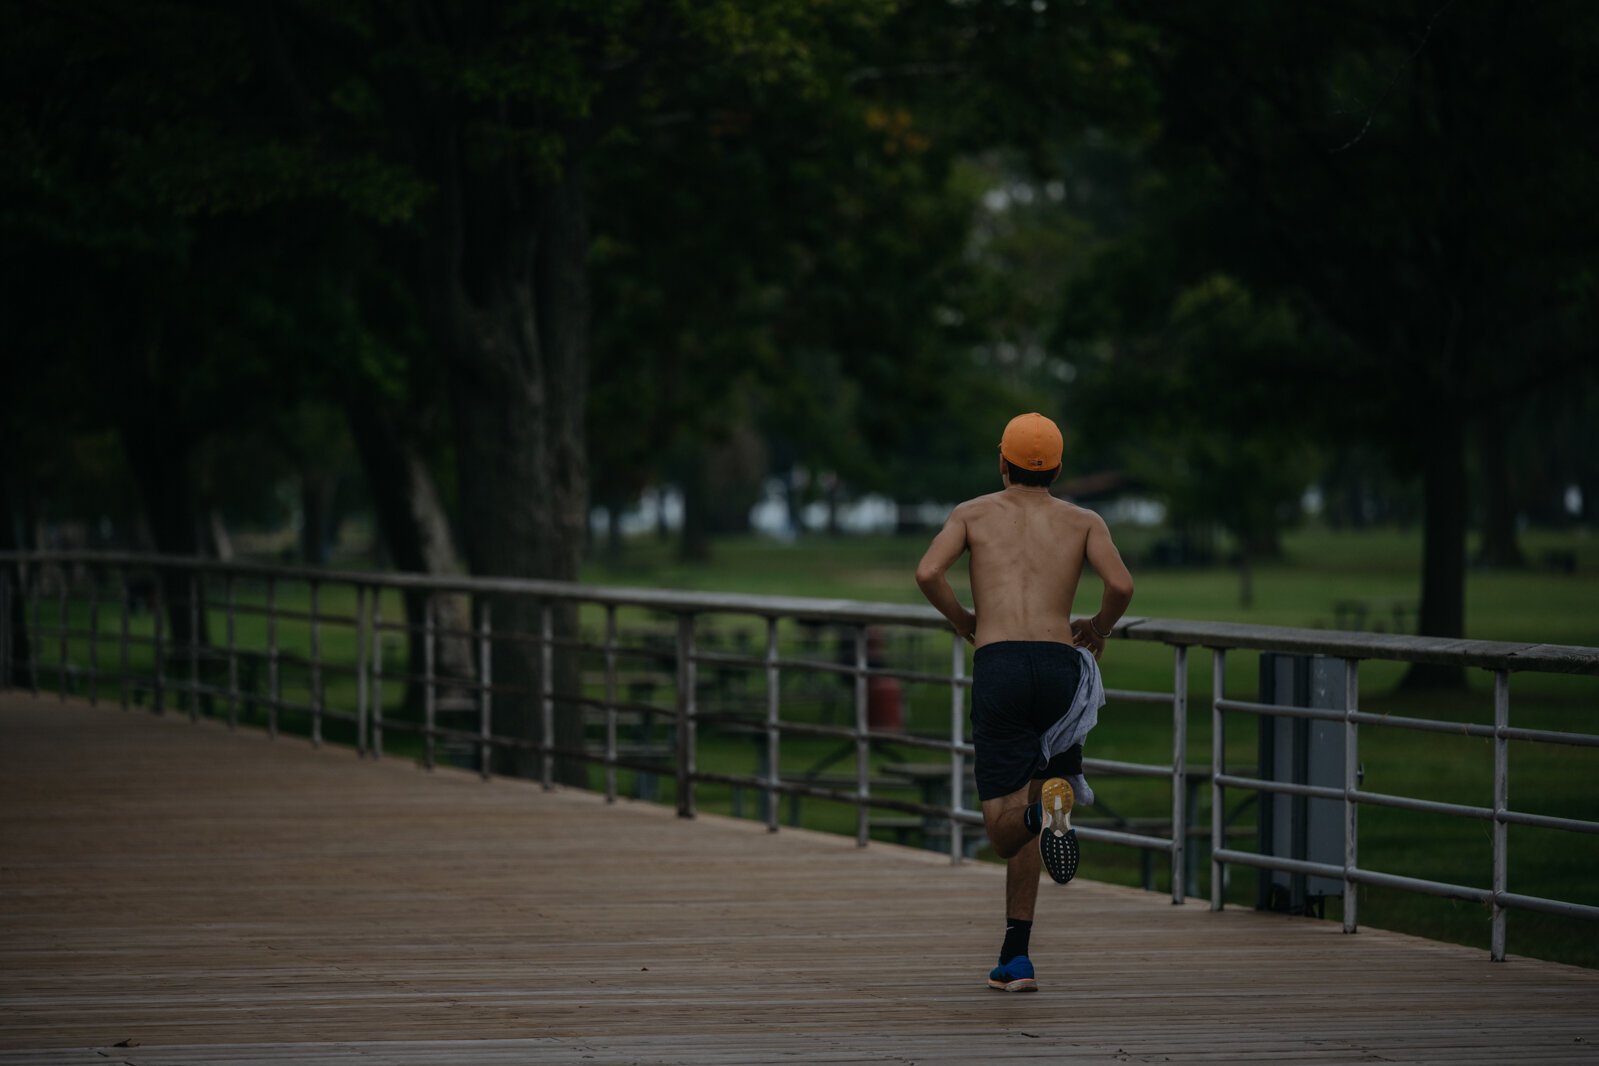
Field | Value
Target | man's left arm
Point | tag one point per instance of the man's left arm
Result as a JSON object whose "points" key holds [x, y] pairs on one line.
{"points": [[941, 555], [1102, 555]]}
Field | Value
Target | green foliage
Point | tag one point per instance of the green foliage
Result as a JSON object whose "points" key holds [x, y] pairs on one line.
{"points": [[1240, 235], [1377, 171], [1202, 392], [775, 236]]}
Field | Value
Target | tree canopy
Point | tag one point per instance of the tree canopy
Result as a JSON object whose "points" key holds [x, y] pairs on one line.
{"points": [[513, 260]]}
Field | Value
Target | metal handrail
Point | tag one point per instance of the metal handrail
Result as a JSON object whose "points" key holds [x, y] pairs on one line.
{"points": [[1501, 658], [1352, 797]]}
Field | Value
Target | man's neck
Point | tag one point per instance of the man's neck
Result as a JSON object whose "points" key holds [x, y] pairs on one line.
{"points": [[1035, 490]]}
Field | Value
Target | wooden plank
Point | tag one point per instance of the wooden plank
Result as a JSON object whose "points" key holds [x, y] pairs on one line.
{"points": [[222, 897]]}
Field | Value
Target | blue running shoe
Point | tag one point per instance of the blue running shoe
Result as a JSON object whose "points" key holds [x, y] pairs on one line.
{"points": [[1013, 976]]}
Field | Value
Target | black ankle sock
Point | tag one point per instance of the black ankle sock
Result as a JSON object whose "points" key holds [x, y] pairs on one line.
{"points": [[1033, 817], [1016, 933]]}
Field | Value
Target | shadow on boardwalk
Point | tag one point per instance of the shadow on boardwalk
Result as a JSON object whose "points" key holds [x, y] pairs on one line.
{"points": [[214, 898]]}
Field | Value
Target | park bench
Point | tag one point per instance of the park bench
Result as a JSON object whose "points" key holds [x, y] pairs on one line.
{"points": [[1362, 616]]}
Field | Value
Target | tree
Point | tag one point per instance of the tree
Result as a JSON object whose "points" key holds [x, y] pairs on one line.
{"points": [[140, 179], [1195, 400], [505, 114], [1407, 179], [468, 134]]}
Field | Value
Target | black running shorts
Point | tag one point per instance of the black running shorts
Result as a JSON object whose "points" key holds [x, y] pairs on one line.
{"points": [[1019, 689]]}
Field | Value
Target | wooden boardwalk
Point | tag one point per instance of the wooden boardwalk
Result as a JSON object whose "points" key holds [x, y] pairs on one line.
{"points": [[215, 897]]}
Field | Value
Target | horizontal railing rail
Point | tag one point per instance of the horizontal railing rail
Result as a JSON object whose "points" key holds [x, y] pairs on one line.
{"points": [[459, 698]]}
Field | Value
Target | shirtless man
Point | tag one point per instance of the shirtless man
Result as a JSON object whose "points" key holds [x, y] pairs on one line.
{"points": [[1034, 667]]}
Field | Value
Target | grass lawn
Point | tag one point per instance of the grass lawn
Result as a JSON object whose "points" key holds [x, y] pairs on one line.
{"points": [[1321, 570]]}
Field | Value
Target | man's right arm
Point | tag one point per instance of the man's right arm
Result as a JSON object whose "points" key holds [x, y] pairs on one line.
{"points": [[1107, 563], [940, 556]]}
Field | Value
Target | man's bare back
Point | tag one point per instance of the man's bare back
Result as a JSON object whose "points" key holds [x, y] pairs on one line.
{"points": [[1027, 551]]}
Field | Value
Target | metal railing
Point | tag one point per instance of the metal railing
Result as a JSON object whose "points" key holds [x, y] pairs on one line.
{"points": [[1499, 658], [192, 668]]}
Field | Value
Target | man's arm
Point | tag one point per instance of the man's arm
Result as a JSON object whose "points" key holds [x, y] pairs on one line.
{"points": [[940, 556], [1107, 563]]}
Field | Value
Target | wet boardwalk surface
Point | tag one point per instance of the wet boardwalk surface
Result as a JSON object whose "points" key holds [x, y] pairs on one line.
{"points": [[200, 896]]}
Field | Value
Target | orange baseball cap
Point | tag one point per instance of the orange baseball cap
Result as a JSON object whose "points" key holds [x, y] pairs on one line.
{"points": [[1031, 442]]}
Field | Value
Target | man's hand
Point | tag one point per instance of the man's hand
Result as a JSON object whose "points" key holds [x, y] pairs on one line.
{"points": [[1083, 636], [966, 628]]}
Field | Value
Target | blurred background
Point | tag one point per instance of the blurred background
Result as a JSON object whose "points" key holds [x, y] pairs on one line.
{"points": [[690, 292]]}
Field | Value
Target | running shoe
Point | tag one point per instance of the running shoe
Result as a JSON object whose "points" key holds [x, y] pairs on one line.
{"points": [[1057, 841], [1013, 976]]}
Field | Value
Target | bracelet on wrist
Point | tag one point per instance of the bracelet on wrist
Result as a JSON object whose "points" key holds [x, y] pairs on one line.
{"points": [[1097, 633]]}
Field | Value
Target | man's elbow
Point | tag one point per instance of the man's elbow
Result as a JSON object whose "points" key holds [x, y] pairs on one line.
{"points": [[1121, 586], [927, 577]]}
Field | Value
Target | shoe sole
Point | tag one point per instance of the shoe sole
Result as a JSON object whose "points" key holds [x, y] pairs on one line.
{"points": [[1024, 984], [1057, 841]]}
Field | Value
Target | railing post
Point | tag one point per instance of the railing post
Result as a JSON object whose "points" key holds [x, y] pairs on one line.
{"points": [[61, 632], [1501, 858], [316, 663], [774, 687], [957, 737], [429, 710], [547, 694], [194, 648], [1179, 775], [1218, 762], [125, 609], [361, 709], [610, 703], [94, 638], [1351, 782], [377, 672], [273, 678], [686, 680], [863, 746], [231, 594], [485, 673]]}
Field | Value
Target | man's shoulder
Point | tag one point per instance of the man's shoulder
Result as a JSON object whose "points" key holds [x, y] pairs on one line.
{"points": [[976, 506], [1085, 513], [1080, 515]]}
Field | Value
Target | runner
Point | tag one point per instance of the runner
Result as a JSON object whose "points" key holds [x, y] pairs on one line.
{"points": [[1036, 689]]}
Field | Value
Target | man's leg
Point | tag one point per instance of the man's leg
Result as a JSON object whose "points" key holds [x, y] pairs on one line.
{"points": [[1021, 873], [1004, 818]]}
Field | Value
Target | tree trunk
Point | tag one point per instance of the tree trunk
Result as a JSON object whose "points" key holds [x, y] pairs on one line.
{"points": [[613, 533], [514, 320], [221, 542], [695, 545], [663, 528], [1443, 560], [21, 662], [791, 501], [158, 455], [1499, 545], [316, 506], [416, 536]]}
